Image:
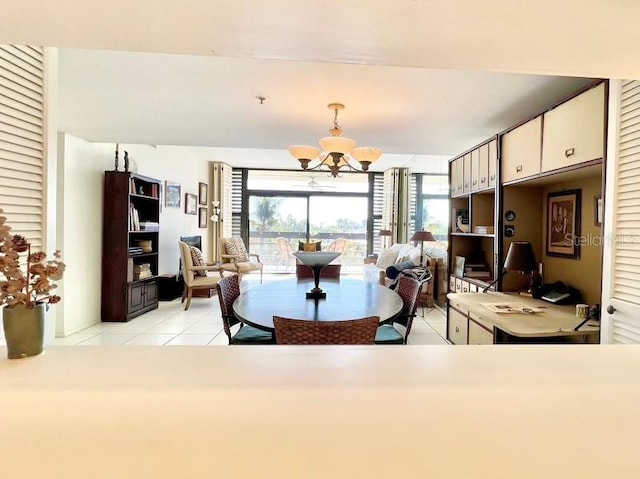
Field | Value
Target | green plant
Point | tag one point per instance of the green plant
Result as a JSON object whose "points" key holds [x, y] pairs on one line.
{"points": [[31, 282]]}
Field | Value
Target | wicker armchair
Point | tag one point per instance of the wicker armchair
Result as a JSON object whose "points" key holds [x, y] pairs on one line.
{"points": [[396, 331], [354, 331], [228, 291]]}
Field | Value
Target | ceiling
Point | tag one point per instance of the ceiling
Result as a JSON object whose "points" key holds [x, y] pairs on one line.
{"points": [[419, 78]]}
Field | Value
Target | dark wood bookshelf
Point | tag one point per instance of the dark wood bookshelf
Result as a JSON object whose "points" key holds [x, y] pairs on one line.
{"points": [[123, 296]]}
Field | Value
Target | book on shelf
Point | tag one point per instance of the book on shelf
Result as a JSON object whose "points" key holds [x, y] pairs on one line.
{"points": [[134, 219], [149, 226], [478, 274], [483, 230]]}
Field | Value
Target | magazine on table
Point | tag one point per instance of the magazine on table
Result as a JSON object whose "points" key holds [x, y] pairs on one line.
{"points": [[510, 308]]}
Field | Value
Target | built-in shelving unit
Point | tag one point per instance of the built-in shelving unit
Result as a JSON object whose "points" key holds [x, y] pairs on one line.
{"points": [[502, 187]]}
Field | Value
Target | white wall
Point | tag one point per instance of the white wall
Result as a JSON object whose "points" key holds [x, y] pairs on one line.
{"points": [[81, 166]]}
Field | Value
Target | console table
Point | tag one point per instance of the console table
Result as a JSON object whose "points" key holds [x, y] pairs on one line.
{"points": [[469, 322]]}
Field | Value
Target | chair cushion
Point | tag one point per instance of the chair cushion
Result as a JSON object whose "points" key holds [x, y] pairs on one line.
{"points": [[387, 334], [235, 247], [250, 335], [198, 260]]}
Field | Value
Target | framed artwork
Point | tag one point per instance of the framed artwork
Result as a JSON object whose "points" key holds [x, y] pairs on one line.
{"points": [[172, 195], [597, 210], [202, 217], [202, 193], [458, 266], [563, 224], [190, 204]]}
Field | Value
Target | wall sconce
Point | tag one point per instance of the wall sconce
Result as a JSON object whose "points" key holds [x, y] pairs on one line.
{"points": [[216, 211]]}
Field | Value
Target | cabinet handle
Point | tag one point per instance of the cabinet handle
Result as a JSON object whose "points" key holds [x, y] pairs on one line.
{"points": [[493, 177], [465, 290], [457, 329], [518, 168], [475, 182], [457, 286], [569, 152], [611, 309], [483, 180], [466, 185]]}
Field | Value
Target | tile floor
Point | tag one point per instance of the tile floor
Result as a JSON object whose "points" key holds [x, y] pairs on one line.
{"points": [[201, 325]]}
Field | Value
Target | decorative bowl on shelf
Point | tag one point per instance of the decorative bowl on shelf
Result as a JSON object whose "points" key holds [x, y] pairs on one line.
{"points": [[463, 227], [316, 260]]}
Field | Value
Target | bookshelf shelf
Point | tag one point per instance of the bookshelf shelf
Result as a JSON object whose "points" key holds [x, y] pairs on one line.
{"points": [[130, 244]]}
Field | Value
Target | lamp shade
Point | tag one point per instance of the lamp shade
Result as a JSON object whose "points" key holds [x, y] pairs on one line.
{"points": [[337, 144], [367, 154], [384, 233], [303, 151], [520, 257], [422, 236]]}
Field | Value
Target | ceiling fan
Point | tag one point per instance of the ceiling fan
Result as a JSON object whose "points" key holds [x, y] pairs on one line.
{"points": [[315, 185]]}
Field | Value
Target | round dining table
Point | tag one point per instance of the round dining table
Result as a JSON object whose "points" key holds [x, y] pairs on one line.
{"points": [[346, 299]]}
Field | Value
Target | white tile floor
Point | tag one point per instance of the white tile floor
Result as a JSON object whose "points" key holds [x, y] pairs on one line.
{"points": [[202, 325]]}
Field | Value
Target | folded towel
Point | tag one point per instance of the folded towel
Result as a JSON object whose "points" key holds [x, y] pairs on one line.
{"points": [[394, 270]]}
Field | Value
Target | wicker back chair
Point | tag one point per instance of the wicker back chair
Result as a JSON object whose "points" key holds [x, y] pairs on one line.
{"points": [[397, 330], [228, 291], [353, 331]]}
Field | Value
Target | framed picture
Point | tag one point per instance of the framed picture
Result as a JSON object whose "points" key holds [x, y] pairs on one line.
{"points": [[597, 210], [458, 266], [172, 195], [563, 224], [202, 193], [202, 217], [190, 204]]}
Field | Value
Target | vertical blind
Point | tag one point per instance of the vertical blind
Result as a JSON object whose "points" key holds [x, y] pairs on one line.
{"points": [[626, 231], [22, 117]]}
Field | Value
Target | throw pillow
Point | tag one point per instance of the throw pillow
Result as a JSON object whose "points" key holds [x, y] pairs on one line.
{"points": [[235, 247], [386, 258], [198, 260]]}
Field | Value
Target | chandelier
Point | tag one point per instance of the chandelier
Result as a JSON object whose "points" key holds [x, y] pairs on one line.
{"points": [[335, 152]]}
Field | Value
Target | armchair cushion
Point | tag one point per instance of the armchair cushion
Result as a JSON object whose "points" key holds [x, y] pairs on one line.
{"points": [[235, 247], [198, 260]]}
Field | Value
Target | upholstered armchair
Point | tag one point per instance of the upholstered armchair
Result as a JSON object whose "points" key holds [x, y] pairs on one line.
{"points": [[237, 259], [196, 276]]}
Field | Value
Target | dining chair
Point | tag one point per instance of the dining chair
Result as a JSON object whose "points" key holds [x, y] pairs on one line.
{"points": [[299, 331], [228, 291], [195, 272], [285, 248], [237, 259], [396, 330]]}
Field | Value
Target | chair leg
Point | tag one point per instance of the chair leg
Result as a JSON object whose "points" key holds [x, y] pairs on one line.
{"points": [[260, 275], [190, 293], [184, 293]]}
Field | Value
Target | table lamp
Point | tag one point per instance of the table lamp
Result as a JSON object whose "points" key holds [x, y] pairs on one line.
{"points": [[422, 236], [520, 258], [384, 233]]}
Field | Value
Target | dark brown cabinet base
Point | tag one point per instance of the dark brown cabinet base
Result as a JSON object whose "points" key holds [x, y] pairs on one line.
{"points": [[142, 297]]}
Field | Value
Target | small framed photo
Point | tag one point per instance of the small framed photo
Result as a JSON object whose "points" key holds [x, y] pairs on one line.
{"points": [[190, 204], [202, 193], [202, 217], [172, 195], [597, 210], [458, 266], [563, 224]]}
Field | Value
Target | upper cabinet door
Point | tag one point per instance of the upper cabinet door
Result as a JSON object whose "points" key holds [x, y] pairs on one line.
{"points": [[574, 131], [521, 149], [475, 170], [493, 162], [456, 177], [483, 167], [466, 175]]}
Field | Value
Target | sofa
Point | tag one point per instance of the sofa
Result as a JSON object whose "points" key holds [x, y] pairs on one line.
{"points": [[396, 254]]}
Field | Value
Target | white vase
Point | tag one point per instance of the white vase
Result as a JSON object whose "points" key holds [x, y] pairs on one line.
{"points": [[24, 330]]}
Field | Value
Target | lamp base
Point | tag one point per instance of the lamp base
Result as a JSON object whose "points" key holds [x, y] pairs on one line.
{"points": [[316, 295]]}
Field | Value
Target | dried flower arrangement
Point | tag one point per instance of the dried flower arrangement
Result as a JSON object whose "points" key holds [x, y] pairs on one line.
{"points": [[33, 285]]}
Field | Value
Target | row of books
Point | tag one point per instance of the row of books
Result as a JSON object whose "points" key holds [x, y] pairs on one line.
{"points": [[134, 218], [477, 271], [147, 189], [149, 226], [142, 271]]}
